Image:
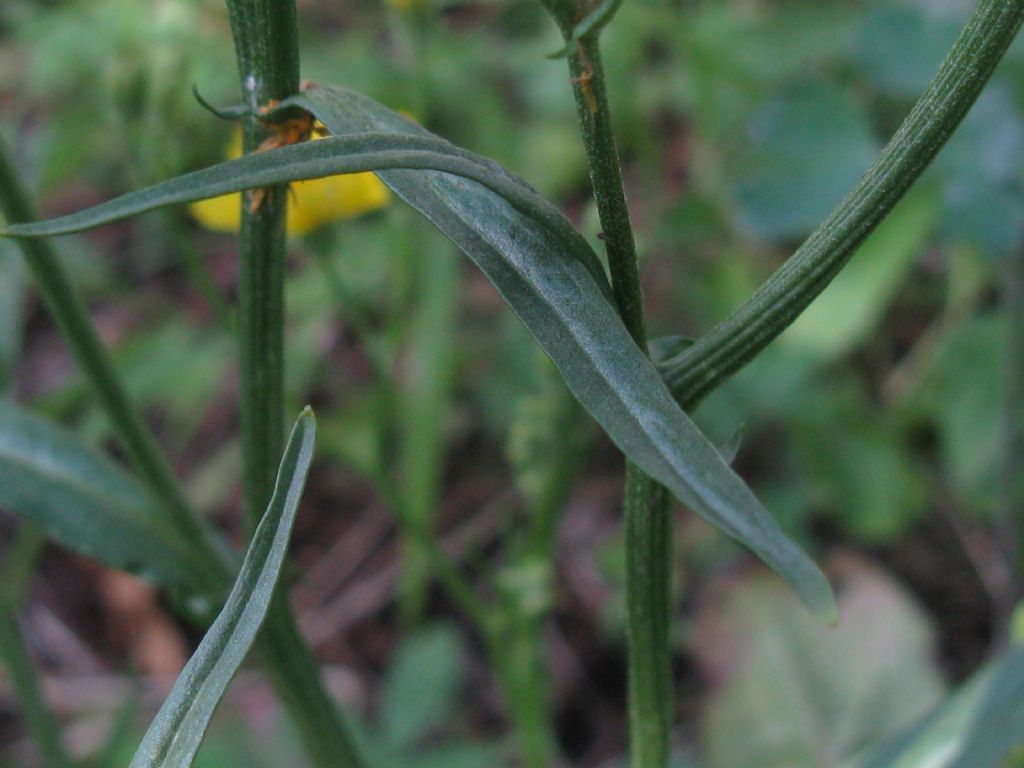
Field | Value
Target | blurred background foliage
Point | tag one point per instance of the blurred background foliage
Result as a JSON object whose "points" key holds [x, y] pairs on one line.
{"points": [[873, 427]]}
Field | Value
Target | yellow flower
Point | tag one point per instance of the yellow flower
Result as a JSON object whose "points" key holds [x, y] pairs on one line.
{"points": [[311, 204]]}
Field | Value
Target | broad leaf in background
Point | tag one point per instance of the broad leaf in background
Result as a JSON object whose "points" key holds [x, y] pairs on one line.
{"points": [[175, 735], [977, 727], [806, 150], [797, 695], [857, 464], [963, 391], [84, 501], [982, 177], [541, 266], [896, 68], [422, 686], [416, 722]]}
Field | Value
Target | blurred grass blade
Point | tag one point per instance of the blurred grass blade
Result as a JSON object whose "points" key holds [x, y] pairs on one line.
{"points": [[22, 674], [41, 723], [176, 733], [11, 295], [85, 501], [543, 268], [977, 727]]}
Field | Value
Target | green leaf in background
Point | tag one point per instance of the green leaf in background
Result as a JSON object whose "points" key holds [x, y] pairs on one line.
{"points": [[963, 392], [981, 176], [177, 731], [848, 311], [422, 686], [84, 501], [977, 727], [807, 149], [542, 267], [885, 54], [459, 756], [798, 695], [857, 465]]}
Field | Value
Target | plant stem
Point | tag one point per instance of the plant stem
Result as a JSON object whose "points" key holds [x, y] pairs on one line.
{"points": [[606, 177], [514, 645], [267, 51], [729, 346], [648, 520], [648, 592]]}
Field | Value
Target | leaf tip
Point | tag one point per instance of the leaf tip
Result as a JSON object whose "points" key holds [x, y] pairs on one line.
{"points": [[820, 600]]}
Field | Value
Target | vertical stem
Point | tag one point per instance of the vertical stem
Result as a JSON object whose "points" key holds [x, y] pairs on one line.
{"points": [[648, 580], [514, 645], [267, 50], [606, 177], [647, 510]]}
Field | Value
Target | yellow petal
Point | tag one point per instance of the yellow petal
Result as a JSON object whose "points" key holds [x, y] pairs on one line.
{"points": [[220, 214], [311, 204]]}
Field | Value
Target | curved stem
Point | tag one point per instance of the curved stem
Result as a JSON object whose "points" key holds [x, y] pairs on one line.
{"points": [[728, 347]]}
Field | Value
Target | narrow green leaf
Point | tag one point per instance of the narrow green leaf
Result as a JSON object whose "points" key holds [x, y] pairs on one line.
{"points": [[977, 727], [545, 271], [84, 501], [422, 686], [175, 735], [559, 298]]}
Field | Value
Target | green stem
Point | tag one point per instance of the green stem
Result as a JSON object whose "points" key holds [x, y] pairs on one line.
{"points": [[648, 591], [648, 520], [606, 177], [728, 347], [267, 51], [515, 647]]}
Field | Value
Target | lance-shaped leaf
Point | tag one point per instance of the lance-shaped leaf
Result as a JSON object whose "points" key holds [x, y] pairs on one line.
{"points": [[177, 731], [977, 727], [545, 271], [83, 500]]}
